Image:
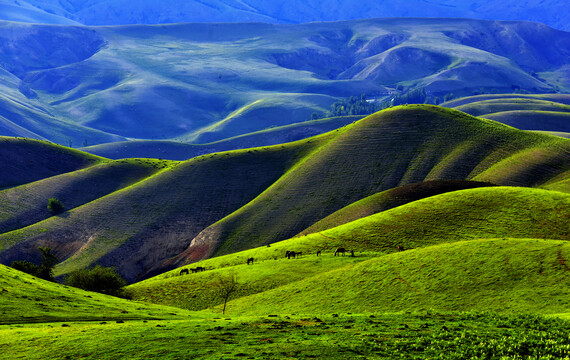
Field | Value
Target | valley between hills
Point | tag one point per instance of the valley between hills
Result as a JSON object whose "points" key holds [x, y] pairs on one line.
{"points": [[419, 231]]}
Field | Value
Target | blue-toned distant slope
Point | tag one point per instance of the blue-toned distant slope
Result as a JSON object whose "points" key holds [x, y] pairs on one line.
{"points": [[541, 112], [112, 12], [202, 83]]}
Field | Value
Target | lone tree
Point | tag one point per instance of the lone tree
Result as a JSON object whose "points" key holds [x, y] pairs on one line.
{"points": [[55, 206], [227, 285], [44, 270]]}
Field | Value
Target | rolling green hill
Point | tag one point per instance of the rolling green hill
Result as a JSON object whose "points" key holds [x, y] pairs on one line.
{"points": [[150, 216], [431, 223], [504, 275], [27, 204], [394, 147], [389, 199], [141, 225], [26, 160]]}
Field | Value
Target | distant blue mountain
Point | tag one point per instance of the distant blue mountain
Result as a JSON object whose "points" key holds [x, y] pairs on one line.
{"points": [[114, 12], [201, 83]]}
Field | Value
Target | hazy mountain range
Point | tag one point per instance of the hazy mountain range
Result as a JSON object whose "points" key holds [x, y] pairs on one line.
{"points": [[200, 83], [113, 12]]}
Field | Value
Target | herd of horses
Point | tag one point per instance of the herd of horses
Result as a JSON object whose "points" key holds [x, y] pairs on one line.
{"points": [[288, 254], [194, 270]]}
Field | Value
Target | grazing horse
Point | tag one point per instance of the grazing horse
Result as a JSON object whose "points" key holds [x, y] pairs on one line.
{"points": [[400, 248], [200, 268], [183, 271], [250, 261], [319, 253], [291, 254], [340, 250]]}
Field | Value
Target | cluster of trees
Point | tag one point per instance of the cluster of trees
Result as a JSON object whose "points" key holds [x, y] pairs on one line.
{"points": [[44, 270], [99, 279], [361, 106]]}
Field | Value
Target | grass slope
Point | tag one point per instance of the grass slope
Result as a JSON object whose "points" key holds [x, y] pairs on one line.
{"points": [[467, 214], [503, 275], [556, 98], [546, 112], [499, 105], [395, 147], [25, 205], [26, 160], [389, 199], [533, 120], [383, 336], [471, 214], [27, 299], [226, 202]]}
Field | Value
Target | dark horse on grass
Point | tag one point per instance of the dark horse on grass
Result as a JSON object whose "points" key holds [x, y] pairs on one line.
{"points": [[250, 261], [340, 250], [293, 254]]}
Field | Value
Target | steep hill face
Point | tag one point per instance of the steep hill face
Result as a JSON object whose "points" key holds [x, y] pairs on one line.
{"points": [[201, 83], [155, 215]]}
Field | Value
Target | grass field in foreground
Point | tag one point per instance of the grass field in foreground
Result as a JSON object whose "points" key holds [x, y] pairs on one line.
{"points": [[343, 336]]}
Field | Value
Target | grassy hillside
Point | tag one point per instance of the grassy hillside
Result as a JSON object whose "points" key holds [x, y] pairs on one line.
{"points": [[26, 160], [140, 226], [556, 98], [500, 105], [533, 120], [504, 275], [469, 214], [395, 147], [146, 216], [25, 205], [481, 213], [27, 299], [389, 199]]}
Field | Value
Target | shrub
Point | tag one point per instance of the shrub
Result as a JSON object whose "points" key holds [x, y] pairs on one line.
{"points": [[55, 206], [100, 279], [25, 266], [43, 271]]}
